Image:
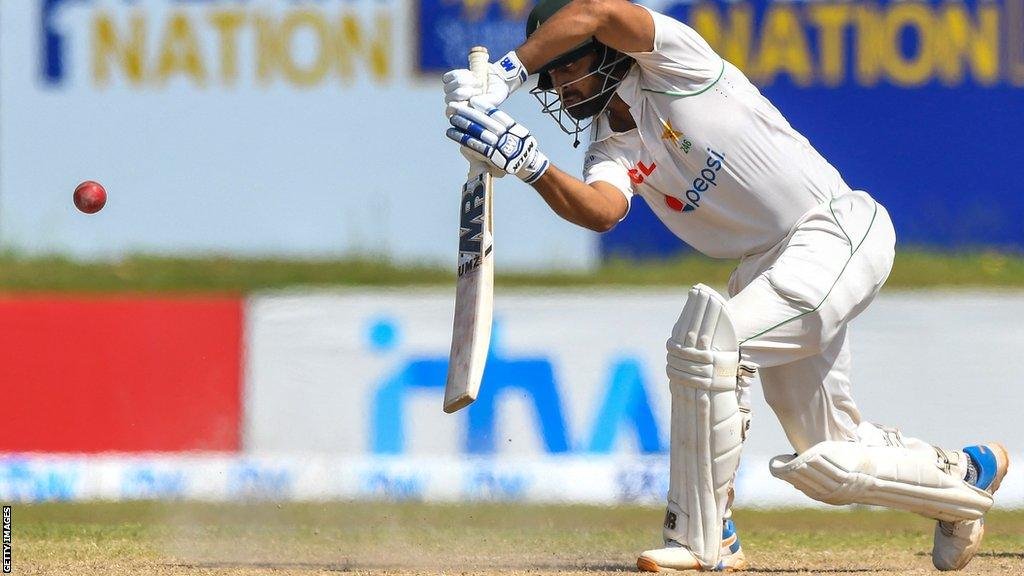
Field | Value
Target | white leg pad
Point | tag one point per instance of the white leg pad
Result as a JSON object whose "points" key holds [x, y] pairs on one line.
{"points": [[892, 476], [707, 426]]}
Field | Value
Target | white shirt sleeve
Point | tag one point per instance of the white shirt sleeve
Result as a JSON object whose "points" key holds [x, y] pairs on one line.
{"points": [[681, 61], [600, 167]]}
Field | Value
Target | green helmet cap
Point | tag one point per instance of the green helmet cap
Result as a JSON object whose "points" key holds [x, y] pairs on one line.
{"points": [[540, 14]]}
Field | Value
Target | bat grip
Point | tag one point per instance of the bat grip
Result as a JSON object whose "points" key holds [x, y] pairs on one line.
{"points": [[478, 64]]}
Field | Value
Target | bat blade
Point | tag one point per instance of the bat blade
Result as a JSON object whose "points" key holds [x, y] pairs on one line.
{"points": [[474, 293]]}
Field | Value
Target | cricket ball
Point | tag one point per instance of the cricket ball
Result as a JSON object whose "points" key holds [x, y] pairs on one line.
{"points": [[90, 197]]}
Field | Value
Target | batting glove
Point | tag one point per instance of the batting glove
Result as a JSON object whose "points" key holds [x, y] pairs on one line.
{"points": [[491, 135], [503, 78]]}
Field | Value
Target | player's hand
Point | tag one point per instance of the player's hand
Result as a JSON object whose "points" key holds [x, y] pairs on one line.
{"points": [[493, 136], [503, 78]]}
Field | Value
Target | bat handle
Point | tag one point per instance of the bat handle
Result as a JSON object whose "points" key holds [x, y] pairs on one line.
{"points": [[478, 60], [478, 63]]}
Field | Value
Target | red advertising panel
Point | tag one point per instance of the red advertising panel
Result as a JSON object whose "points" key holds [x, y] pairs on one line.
{"points": [[95, 374]]}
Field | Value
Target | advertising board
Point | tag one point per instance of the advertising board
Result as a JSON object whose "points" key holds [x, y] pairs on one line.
{"points": [[120, 374], [582, 373], [337, 395]]}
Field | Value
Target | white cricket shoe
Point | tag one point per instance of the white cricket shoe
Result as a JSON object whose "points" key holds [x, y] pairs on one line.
{"points": [[957, 542], [676, 557]]}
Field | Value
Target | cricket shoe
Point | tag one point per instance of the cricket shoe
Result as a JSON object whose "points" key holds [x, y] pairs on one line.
{"points": [[957, 542], [676, 557]]}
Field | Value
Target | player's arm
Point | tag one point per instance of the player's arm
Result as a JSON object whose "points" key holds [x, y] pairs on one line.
{"points": [[492, 136], [618, 24], [598, 206]]}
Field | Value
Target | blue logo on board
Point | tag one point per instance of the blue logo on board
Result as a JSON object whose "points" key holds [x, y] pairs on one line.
{"points": [[624, 408]]}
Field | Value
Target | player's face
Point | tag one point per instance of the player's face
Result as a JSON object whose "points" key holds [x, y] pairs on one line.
{"points": [[577, 86]]}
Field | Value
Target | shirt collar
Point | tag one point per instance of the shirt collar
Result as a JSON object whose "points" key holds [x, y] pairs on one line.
{"points": [[629, 90]]}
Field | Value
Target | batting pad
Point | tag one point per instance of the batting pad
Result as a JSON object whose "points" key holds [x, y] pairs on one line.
{"points": [[707, 427], [895, 477]]}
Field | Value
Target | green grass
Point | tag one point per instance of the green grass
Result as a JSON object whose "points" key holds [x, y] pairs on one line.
{"points": [[913, 269], [267, 538]]}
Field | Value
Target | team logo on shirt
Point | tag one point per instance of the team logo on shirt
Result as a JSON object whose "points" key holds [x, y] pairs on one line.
{"points": [[707, 179], [676, 136]]}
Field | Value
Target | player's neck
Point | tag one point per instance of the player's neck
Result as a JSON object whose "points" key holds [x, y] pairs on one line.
{"points": [[619, 118]]}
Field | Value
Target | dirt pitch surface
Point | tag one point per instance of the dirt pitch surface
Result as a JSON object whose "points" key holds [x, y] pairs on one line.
{"points": [[405, 539]]}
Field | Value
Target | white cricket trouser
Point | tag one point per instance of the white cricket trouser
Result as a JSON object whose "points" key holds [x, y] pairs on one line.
{"points": [[791, 305]]}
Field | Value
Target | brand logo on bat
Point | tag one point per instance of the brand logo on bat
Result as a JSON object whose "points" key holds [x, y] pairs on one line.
{"points": [[471, 227]]}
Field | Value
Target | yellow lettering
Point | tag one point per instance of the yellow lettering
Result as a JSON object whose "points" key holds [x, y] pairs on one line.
{"points": [[902, 69], [376, 49], [784, 46], [868, 45], [312, 72], [303, 46], [732, 41], [513, 9], [960, 41], [268, 46], [107, 46], [831, 20], [179, 51], [227, 23]]}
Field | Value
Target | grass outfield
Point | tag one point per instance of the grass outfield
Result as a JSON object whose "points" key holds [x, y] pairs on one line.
{"points": [[401, 539], [153, 274]]}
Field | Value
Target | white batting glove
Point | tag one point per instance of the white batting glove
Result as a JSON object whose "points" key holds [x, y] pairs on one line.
{"points": [[503, 78], [493, 136]]}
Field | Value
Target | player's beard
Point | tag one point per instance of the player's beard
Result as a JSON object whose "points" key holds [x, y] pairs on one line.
{"points": [[588, 107]]}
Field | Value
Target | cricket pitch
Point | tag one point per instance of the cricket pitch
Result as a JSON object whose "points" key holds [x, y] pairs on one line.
{"points": [[403, 539]]}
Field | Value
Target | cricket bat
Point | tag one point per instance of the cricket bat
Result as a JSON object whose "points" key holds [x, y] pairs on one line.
{"points": [[474, 289]]}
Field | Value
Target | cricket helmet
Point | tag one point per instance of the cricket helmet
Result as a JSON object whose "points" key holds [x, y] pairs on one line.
{"points": [[611, 66]]}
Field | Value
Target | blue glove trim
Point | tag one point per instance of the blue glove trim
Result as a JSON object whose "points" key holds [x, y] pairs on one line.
{"points": [[468, 141], [474, 129]]}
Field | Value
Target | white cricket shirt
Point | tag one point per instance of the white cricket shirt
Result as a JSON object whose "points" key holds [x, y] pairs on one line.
{"points": [[716, 161]]}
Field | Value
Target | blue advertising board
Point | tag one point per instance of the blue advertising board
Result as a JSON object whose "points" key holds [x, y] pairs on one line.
{"points": [[449, 28], [920, 103]]}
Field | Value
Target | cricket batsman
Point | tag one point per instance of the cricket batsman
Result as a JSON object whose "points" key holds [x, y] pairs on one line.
{"points": [[673, 122]]}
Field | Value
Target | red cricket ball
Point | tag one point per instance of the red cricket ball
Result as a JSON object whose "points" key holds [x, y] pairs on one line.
{"points": [[90, 197]]}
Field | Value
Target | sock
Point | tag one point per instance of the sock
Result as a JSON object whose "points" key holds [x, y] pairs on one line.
{"points": [[971, 476]]}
